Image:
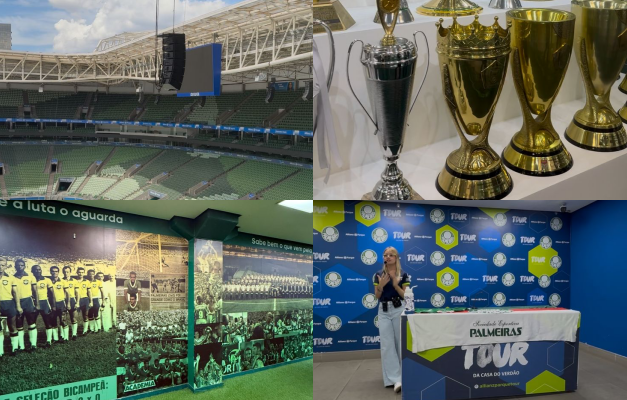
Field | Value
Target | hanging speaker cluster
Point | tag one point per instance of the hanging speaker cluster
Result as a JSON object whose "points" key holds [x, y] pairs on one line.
{"points": [[173, 68], [270, 91]]}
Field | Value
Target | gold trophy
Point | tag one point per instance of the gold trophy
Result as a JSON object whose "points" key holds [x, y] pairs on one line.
{"points": [[473, 63], [542, 41], [449, 8], [332, 13], [601, 50], [623, 111]]}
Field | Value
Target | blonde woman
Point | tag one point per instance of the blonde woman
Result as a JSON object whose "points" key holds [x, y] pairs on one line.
{"points": [[389, 287]]}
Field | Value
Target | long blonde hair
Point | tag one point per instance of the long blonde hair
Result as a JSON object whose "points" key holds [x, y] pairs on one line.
{"points": [[398, 261]]}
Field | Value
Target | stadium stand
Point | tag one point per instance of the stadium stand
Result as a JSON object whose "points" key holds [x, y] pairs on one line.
{"points": [[255, 116], [300, 117], [26, 166], [215, 106], [125, 158], [198, 170], [114, 106], [56, 104], [167, 109], [10, 100], [299, 185], [248, 178], [96, 185]]}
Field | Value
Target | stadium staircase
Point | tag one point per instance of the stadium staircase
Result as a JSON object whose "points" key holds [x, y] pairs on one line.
{"points": [[214, 180], [50, 186], [277, 116], [259, 195], [222, 118], [135, 115], [49, 160], [3, 186], [106, 160], [184, 113]]}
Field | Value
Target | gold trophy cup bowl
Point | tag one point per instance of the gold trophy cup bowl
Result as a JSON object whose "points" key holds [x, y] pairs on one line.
{"points": [[542, 41], [601, 50], [473, 63]]}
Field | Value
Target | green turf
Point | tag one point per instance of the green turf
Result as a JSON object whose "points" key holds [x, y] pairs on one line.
{"points": [[60, 364], [289, 382]]}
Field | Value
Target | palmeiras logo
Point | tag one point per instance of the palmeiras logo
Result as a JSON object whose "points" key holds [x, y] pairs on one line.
{"points": [[544, 281], [438, 300], [5, 282], [546, 242], [367, 212], [437, 258], [368, 257], [369, 301], [333, 279], [330, 234], [447, 237], [508, 279], [499, 259], [376, 321], [555, 299], [556, 262], [437, 216], [500, 219], [379, 235], [509, 239], [333, 323], [556, 223], [447, 279], [498, 299]]}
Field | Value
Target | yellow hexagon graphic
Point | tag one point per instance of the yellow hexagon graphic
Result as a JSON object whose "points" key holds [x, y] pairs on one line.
{"points": [[448, 279], [540, 261], [546, 382], [446, 237], [325, 214], [367, 212]]}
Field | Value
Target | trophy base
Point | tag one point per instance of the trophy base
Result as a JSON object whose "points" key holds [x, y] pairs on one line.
{"points": [[404, 16], [449, 8], [547, 163], [493, 185], [392, 191], [333, 14], [612, 138]]}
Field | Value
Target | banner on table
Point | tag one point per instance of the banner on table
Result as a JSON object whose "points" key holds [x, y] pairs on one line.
{"points": [[517, 368]]}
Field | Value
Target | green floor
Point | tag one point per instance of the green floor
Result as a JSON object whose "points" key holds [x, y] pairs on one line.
{"points": [[289, 382]]}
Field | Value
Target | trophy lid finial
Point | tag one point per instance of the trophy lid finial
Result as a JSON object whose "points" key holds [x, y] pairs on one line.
{"points": [[388, 7]]}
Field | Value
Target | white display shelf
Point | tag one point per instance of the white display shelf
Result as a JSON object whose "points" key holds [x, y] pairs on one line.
{"points": [[431, 135]]}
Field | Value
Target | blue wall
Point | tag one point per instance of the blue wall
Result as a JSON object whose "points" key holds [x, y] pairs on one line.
{"points": [[599, 273], [350, 236]]}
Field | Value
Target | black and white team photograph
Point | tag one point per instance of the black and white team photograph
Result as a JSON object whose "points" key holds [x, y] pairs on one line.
{"points": [[57, 302]]}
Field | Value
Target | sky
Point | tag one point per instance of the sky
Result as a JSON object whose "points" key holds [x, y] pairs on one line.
{"points": [[76, 26]]}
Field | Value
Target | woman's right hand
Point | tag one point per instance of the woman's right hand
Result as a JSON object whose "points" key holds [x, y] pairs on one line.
{"points": [[384, 279]]}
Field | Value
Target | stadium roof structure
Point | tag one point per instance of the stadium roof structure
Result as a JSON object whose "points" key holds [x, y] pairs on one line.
{"points": [[271, 36]]}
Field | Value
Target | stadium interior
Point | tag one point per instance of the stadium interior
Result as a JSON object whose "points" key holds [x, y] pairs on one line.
{"points": [[104, 126]]}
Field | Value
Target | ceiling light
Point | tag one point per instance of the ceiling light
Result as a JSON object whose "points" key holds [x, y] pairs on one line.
{"points": [[301, 205]]}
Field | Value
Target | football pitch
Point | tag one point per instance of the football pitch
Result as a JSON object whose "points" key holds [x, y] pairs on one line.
{"points": [[89, 357], [234, 306]]}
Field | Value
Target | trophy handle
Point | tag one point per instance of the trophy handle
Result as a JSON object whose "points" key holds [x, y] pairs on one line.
{"points": [[332, 44], [351, 86], [426, 71]]}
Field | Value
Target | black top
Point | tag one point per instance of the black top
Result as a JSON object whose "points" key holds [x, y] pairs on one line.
{"points": [[388, 290]]}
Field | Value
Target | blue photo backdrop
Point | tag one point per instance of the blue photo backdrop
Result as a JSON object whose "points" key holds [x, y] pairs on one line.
{"points": [[455, 256]]}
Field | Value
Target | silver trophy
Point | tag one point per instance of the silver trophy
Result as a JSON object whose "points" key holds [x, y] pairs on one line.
{"points": [[389, 68], [404, 15], [331, 68]]}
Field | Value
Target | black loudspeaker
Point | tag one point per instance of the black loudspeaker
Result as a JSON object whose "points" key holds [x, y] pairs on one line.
{"points": [[308, 94], [173, 68], [270, 92]]}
